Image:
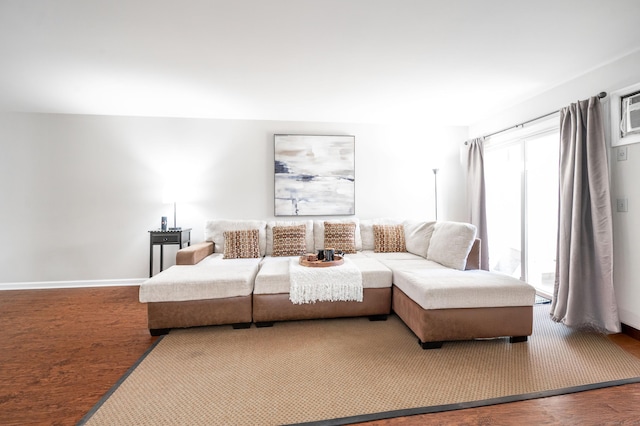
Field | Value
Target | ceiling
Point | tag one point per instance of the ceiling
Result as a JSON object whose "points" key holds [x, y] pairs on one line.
{"points": [[451, 62]]}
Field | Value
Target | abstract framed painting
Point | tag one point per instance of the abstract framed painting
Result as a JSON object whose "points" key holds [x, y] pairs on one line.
{"points": [[314, 175]]}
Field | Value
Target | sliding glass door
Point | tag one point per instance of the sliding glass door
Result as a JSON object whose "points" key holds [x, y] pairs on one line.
{"points": [[522, 207], [541, 217], [503, 181]]}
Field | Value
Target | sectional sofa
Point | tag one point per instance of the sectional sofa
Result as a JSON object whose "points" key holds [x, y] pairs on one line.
{"points": [[428, 273]]}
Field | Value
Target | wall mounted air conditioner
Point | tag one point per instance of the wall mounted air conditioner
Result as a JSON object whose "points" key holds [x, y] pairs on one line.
{"points": [[625, 116], [630, 114]]}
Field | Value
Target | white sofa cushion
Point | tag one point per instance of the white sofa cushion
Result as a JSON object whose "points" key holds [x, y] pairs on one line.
{"points": [[308, 235], [214, 231], [211, 278], [273, 277], [417, 236], [404, 261], [451, 243], [445, 288], [383, 257]]}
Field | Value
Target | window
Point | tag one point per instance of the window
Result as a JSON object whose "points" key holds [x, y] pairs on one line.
{"points": [[521, 175], [630, 121]]}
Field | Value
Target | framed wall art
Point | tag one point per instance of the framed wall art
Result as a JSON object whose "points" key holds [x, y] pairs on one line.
{"points": [[314, 175]]}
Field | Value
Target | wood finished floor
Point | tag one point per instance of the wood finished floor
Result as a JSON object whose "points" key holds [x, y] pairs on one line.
{"points": [[62, 350]]}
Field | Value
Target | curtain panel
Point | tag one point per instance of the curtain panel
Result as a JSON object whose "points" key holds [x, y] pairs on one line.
{"points": [[477, 196], [583, 292]]}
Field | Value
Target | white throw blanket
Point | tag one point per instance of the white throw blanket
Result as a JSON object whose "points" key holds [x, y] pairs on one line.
{"points": [[334, 283]]}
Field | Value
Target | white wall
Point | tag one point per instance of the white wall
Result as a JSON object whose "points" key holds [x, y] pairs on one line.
{"points": [[625, 175], [79, 193]]}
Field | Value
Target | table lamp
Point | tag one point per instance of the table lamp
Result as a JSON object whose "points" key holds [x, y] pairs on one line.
{"points": [[170, 195]]}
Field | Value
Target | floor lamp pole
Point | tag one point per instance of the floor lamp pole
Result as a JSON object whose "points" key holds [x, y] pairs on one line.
{"points": [[435, 187]]}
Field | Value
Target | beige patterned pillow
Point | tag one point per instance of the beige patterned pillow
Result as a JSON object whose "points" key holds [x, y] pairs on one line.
{"points": [[289, 240], [241, 244], [340, 236], [388, 239]]}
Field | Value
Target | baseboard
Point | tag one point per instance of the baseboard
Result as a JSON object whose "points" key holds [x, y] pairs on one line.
{"points": [[42, 285], [630, 331]]}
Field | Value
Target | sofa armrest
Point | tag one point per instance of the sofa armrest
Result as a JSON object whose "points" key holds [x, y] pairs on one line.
{"points": [[194, 254], [473, 260]]}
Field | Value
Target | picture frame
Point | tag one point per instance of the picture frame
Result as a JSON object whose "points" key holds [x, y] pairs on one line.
{"points": [[314, 175]]}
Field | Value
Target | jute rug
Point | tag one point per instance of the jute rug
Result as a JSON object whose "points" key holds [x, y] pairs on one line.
{"points": [[332, 370]]}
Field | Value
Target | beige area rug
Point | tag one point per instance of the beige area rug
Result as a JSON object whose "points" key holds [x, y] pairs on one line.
{"points": [[332, 370]]}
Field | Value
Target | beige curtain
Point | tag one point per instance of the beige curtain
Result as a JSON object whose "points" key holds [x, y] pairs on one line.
{"points": [[477, 196], [583, 294]]}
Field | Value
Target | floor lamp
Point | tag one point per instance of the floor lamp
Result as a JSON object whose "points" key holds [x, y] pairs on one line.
{"points": [[435, 188]]}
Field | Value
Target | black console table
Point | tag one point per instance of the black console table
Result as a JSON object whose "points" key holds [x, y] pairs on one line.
{"points": [[157, 237]]}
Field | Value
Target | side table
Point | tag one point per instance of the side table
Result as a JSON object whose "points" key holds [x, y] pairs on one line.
{"points": [[157, 237]]}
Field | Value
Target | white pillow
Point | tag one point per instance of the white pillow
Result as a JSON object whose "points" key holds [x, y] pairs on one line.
{"points": [[214, 231], [451, 243], [366, 230], [308, 236], [318, 232], [417, 236]]}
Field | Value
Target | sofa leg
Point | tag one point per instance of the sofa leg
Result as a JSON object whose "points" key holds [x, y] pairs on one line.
{"points": [[382, 317], [517, 339], [264, 324], [430, 345], [241, 325], [159, 331]]}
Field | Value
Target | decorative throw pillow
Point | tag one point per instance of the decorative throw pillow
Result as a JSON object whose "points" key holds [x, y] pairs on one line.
{"points": [[388, 239], [340, 236], [241, 244], [366, 231], [318, 232], [296, 222], [289, 240], [451, 243], [214, 231]]}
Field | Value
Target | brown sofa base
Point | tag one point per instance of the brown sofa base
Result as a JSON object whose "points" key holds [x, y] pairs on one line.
{"points": [[432, 327], [268, 308], [162, 316]]}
